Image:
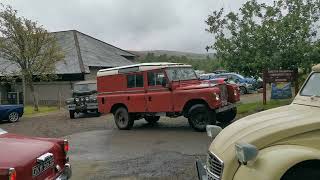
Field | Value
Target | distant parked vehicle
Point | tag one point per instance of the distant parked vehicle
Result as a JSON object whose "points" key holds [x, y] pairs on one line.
{"points": [[11, 113], [245, 84], [207, 76], [32, 158], [84, 98]]}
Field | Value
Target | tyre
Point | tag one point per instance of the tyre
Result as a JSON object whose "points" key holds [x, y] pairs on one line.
{"points": [[227, 116], [243, 90], [200, 116], [303, 172], [122, 119], [152, 119], [71, 114], [13, 116]]}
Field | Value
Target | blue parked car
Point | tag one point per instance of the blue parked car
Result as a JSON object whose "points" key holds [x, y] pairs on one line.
{"points": [[12, 113], [245, 84]]}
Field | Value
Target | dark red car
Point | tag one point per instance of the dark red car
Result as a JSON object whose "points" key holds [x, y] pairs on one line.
{"points": [[30, 158]]}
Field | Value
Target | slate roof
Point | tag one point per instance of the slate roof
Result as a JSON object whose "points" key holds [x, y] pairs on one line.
{"points": [[81, 52]]}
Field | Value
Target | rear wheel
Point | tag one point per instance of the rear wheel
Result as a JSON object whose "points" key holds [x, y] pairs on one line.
{"points": [[71, 114], [122, 119], [200, 116], [13, 117], [152, 119], [227, 116], [243, 90]]}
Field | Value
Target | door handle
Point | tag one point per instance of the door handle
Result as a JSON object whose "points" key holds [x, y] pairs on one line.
{"points": [[150, 98]]}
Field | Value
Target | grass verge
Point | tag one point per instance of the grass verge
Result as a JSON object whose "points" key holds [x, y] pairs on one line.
{"points": [[251, 108], [29, 112]]}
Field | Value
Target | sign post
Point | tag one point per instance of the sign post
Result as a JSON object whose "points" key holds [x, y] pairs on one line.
{"points": [[275, 76]]}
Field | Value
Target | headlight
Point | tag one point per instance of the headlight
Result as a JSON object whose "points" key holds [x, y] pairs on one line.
{"points": [[246, 152], [235, 92], [217, 96], [77, 99], [87, 99]]}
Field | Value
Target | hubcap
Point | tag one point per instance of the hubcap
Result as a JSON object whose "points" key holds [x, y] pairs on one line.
{"points": [[13, 117], [200, 119], [121, 118]]}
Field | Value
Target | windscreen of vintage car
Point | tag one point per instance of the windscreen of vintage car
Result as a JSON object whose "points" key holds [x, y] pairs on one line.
{"points": [[312, 87], [181, 74], [90, 87], [2, 131]]}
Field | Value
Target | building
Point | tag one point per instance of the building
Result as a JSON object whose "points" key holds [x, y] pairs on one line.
{"points": [[84, 56]]}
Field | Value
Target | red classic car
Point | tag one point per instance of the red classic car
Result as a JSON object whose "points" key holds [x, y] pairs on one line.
{"points": [[30, 158]]}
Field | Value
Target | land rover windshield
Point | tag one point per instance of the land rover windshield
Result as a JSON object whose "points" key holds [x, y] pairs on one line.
{"points": [[181, 74], [312, 87], [90, 87]]}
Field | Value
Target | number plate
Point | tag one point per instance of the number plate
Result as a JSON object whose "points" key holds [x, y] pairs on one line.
{"points": [[43, 165]]}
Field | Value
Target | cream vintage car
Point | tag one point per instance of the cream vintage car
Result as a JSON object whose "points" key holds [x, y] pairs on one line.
{"points": [[278, 144]]}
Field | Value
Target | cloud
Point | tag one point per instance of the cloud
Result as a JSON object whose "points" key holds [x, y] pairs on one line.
{"points": [[135, 25]]}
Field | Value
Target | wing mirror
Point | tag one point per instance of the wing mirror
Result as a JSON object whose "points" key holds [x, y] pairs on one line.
{"points": [[213, 131]]}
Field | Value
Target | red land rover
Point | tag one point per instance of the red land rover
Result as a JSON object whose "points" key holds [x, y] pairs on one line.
{"points": [[151, 90]]}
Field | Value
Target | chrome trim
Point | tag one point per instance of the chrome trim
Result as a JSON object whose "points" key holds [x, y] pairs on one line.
{"points": [[44, 157], [158, 89], [221, 163], [118, 92]]}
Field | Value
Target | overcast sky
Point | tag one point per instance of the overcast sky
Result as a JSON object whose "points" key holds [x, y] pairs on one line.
{"points": [[130, 24]]}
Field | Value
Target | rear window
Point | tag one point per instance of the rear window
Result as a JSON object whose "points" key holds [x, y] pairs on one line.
{"points": [[134, 80]]}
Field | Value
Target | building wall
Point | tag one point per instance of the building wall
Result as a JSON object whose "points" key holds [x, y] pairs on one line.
{"points": [[49, 93]]}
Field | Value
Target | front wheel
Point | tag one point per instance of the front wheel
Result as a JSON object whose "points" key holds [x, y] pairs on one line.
{"points": [[122, 119], [200, 116], [152, 119], [13, 117]]}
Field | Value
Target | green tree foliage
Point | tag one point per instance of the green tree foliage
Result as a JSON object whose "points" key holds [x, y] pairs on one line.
{"points": [[207, 65], [29, 47], [281, 35]]}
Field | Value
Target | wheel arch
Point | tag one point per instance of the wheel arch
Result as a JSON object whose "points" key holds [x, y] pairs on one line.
{"points": [[273, 162], [312, 163], [116, 106], [190, 103]]}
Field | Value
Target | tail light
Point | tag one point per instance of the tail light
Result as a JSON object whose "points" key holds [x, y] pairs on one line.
{"points": [[12, 174], [65, 146]]}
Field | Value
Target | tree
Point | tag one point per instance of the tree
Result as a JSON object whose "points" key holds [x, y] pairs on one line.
{"points": [[29, 47], [281, 35]]}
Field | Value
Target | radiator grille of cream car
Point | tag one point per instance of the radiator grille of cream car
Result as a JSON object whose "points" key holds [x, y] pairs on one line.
{"points": [[214, 167]]}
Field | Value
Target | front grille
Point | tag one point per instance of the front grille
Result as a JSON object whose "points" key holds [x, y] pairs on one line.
{"points": [[214, 167], [224, 94]]}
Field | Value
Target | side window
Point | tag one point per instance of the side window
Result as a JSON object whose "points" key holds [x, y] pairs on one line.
{"points": [[156, 78], [134, 80]]}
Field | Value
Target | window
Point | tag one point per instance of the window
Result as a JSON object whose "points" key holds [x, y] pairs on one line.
{"points": [[156, 78], [183, 73], [134, 80], [312, 87]]}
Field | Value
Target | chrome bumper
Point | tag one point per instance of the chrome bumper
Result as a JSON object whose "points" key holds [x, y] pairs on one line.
{"points": [[66, 174], [89, 106]]}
